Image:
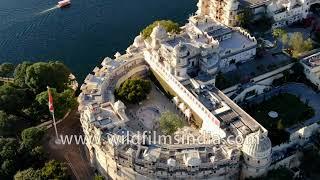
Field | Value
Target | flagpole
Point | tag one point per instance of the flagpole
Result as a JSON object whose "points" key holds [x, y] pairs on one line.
{"points": [[51, 109], [55, 126]]}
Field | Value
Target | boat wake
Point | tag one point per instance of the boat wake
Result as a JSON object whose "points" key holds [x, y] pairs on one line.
{"points": [[48, 10]]}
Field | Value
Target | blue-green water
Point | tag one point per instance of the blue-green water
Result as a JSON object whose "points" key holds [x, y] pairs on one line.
{"points": [[81, 35]]}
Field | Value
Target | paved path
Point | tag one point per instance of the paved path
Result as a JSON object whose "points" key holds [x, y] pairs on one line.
{"points": [[73, 154], [304, 92], [5, 79]]}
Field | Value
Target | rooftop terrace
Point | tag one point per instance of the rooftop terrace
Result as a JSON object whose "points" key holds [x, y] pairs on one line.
{"points": [[256, 67]]}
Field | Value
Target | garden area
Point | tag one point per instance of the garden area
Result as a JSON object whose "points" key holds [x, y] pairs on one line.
{"points": [[290, 111]]}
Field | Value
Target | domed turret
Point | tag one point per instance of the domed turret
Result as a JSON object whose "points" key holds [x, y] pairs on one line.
{"points": [[181, 50], [257, 154], [138, 41], [119, 106], [159, 33], [257, 145]]}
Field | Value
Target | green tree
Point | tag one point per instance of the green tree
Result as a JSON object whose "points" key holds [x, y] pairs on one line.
{"points": [[31, 137], [6, 69], [8, 157], [170, 26], [10, 124], [28, 174], [299, 45], [34, 158], [20, 74], [63, 102], [13, 99], [308, 45], [40, 75], [133, 90], [54, 170], [244, 18], [221, 81], [8, 168], [278, 33], [169, 123], [284, 40], [36, 112]]}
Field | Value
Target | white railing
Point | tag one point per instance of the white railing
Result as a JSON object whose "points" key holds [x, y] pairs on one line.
{"points": [[184, 94]]}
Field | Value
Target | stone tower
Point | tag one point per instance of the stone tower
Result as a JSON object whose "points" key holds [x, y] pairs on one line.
{"points": [[257, 154], [224, 11]]}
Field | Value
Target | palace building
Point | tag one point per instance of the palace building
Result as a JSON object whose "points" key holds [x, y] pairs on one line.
{"points": [[283, 12], [186, 65]]}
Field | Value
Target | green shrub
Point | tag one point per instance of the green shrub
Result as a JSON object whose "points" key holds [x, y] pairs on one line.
{"points": [[169, 25]]}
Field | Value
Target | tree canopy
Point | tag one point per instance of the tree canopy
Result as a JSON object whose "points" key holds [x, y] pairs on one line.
{"points": [[28, 174], [20, 74], [54, 170], [244, 18], [24, 103], [8, 155], [133, 90], [170, 122], [13, 99], [298, 44], [278, 33], [40, 75], [6, 69], [9, 124], [31, 137], [170, 26], [63, 101]]}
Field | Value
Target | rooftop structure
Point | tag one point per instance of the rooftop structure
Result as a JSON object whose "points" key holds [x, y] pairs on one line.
{"points": [[187, 64], [283, 12], [311, 65]]}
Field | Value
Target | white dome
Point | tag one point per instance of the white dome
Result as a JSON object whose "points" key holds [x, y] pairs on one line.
{"points": [[138, 41], [257, 145], [159, 32], [119, 105]]}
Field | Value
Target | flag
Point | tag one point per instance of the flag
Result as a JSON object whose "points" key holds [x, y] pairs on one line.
{"points": [[51, 108]]}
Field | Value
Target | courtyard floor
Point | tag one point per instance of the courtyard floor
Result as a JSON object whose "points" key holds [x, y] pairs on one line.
{"points": [[304, 93], [145, 115], [290, 108]]}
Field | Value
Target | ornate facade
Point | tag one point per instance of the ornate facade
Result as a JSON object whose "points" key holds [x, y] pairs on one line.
{"points": [[283, 12], [188, 63]]}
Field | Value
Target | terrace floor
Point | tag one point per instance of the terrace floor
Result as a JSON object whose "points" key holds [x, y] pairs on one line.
{"points": [[253, 68], [145, 115], [304, 93]]}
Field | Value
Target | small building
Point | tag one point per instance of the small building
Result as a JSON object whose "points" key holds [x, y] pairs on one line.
{"points": [[311, 66]]}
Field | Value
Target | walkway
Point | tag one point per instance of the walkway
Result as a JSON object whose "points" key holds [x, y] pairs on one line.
{"points": [[74, 155], [304, 92], [6, 79]]}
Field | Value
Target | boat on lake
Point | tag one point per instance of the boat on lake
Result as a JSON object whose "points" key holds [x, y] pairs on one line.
{"points": [[64, 3]]}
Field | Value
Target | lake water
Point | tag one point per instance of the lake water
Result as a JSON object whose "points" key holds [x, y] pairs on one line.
{"points": [[81, 35]]}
